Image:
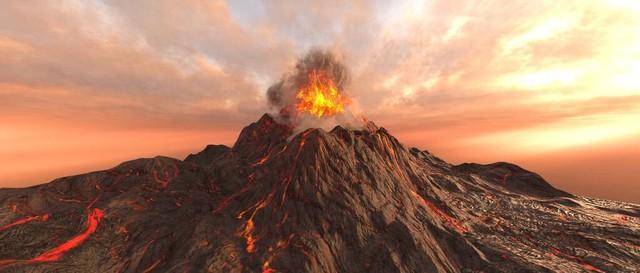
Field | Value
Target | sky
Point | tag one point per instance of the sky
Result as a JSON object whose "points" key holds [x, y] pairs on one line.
{"points": [[553, 86]]}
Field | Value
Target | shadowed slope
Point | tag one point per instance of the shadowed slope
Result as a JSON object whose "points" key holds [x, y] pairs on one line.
{"points": [[317, 201]]}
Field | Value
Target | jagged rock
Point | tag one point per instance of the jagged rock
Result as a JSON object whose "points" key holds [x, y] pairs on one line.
{"points": [[317, 201]]}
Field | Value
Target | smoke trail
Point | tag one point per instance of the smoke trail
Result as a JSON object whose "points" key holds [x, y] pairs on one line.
{"points": [[281, 96]]}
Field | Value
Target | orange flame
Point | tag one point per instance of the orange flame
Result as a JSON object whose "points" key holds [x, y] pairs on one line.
{"points": [[320, 97]]}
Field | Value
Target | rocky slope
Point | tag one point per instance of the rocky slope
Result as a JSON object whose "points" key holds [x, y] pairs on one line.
{"points": [[317, 201]]}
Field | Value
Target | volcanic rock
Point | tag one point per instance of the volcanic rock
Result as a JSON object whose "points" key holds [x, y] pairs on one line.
{"points": [[315, 201]]}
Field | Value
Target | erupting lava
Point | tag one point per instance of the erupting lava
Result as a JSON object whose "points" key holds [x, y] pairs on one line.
{"points": [[320, 97], [315, 200]]}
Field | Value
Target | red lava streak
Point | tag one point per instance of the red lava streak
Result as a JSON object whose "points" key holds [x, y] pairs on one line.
{"points": [[504, 178], [247, 232], [55, 254], [582, 263], [445, 217], [225, 202], [166, 173], [25, 220], [268, 270], [262, 160]]}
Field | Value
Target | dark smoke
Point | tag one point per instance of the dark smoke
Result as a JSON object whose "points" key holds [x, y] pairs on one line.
{"points": [[282, 95]]}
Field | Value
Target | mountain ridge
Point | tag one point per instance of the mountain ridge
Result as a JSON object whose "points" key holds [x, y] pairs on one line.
{"points": [[342, 200]]}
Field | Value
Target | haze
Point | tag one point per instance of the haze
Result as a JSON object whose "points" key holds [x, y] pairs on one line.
{"points": [[550, 85]]}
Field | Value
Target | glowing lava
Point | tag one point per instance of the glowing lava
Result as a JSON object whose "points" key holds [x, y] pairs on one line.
{"points": [[165, 174], [41, 218], [55, 254], [582, 263], [320, 97], [445, 217]]}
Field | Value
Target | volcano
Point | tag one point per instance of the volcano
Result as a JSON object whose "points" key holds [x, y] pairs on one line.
{"points": [[315, 201]]}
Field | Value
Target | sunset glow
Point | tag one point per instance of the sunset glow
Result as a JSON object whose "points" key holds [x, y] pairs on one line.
{"points": [[88, 84]]}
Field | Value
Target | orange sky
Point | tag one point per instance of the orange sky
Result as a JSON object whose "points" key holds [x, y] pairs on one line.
{"points": [[550, 85]]}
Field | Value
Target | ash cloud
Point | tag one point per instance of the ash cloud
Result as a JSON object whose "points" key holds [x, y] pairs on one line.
{"points": [[281, 96]]}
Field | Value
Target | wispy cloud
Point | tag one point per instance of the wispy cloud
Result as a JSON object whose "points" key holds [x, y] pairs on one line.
{"points": [[507, 80]]}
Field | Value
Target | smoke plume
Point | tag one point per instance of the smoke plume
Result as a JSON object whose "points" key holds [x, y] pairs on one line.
{"points": [[282, 99]]}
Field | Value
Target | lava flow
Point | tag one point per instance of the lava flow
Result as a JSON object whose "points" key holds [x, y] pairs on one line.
{"points": [[41, 218], [445, 217], [320, 97], [285, 199], [55, 254]]}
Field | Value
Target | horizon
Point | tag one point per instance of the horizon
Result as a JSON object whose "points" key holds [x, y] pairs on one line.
{"points": [[550, 87], [182, 154]]}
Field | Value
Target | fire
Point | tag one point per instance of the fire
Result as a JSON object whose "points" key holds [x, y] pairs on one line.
{"points": [[320, 97]]}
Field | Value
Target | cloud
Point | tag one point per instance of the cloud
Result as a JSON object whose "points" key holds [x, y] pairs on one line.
{"points": [[451, 76], [100, 52]]}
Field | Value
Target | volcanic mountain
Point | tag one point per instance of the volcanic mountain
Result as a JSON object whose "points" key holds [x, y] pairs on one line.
{"points": [[316, 201]]}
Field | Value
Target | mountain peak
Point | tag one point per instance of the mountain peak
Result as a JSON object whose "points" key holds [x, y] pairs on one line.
{"points": [[346, 200]]}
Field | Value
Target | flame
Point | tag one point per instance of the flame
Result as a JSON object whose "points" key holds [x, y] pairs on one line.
{"points": [[320, 97]]}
